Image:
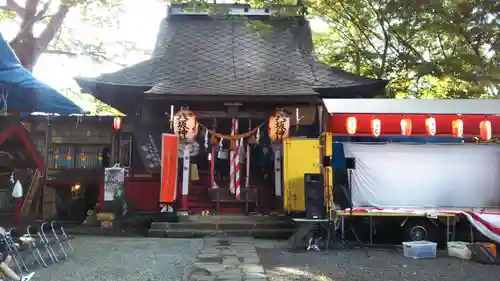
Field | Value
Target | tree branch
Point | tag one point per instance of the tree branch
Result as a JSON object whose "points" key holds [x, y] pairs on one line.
{"points": [[27, 23], [53, 26], [12, 6], [29, 13], [91, 54]]}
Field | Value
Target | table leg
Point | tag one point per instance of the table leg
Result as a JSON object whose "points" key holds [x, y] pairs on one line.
{"points": [[447, 229], [371, 230], [328, 234], [454, 229], [471, 231], [342, 234]]}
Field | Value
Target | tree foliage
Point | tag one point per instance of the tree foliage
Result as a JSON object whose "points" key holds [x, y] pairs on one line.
{"points": [[43, 28], [428, 49]]}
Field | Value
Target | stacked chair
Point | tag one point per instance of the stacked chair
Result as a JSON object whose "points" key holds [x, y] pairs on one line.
{"points": [[48, 244]]}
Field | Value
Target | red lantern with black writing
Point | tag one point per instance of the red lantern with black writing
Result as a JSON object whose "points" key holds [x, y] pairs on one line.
{"points": [[430, 126], [485, 130], [376, 127], [406, 127], [351, 125], [457, 128]]}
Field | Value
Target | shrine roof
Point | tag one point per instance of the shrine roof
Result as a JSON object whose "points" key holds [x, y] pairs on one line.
{"points": [[253, 56]]}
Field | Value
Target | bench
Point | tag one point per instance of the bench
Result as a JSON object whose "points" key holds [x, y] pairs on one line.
{"points": [[45, 242], [223, 195]]}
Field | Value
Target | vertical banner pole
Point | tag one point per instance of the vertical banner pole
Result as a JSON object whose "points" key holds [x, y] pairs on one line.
{"points": [[185, 176], [212, 166], [237, 168], [247, 178], [277, 173]]}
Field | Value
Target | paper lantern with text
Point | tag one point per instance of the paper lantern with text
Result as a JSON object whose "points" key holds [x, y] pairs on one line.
{"points": [[430, 126], [376, 127], [279, 126], [405, 127], [185, 125], [457, 128], [485, 130], [351, 125], [117, 123]]}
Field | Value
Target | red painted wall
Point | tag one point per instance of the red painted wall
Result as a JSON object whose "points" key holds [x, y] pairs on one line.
{"points": [[142, 194]]}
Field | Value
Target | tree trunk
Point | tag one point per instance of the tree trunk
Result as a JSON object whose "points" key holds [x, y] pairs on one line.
{"points": [[25, 49]]}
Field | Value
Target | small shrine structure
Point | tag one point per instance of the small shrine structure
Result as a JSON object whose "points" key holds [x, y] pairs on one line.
{"points": [[230, 86]]}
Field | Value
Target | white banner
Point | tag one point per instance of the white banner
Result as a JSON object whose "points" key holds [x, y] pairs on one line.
{"points": [[277, 171], [114, 179]]}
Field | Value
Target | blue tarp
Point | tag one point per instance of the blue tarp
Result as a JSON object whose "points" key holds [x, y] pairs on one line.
{"points": [[24, 92]]}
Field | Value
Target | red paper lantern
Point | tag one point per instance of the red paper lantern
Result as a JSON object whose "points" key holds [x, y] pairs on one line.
{"points": [[430, 126], [117, 123], [485, 130], [457, 128], [351, 125], [376, 127], [406, 127]]}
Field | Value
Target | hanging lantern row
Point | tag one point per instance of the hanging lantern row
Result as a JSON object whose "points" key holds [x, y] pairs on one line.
{"points": [[186, 126], [430, 127]]}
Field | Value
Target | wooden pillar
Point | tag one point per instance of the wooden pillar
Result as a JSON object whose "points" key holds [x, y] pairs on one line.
{"points": [[48, 147]]}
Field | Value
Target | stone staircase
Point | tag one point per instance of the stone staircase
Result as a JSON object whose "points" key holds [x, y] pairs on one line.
{"points": [[273, 227]]}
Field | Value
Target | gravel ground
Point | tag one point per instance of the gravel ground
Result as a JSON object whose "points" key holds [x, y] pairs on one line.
{"points": [[353, 265], [127, 259]]}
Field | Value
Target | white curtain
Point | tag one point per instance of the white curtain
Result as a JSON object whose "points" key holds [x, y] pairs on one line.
{"points": [[425, 175]]}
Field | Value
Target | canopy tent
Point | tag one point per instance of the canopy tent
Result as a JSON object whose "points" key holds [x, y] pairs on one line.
{"points": [[20, 91]]}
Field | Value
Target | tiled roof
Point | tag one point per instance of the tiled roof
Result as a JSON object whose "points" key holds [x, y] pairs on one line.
{"points": [[202, 55]]}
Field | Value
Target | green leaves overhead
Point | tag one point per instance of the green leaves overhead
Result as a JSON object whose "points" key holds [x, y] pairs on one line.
{"points": [[429, 49]]}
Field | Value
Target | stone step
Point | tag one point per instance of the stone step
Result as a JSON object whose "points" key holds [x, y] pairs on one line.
{"points": [[199, 233], [233, 218], [222, 225]]}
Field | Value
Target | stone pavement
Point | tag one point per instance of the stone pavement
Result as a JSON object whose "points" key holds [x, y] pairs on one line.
{"points": [[225, 258]]}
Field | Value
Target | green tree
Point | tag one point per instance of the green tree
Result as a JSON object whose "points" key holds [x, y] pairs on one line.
{"points": [[55, 36], [428, 49]]}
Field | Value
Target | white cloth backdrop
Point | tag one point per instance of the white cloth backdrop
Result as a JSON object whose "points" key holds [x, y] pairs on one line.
{"points": [[425, 175]]}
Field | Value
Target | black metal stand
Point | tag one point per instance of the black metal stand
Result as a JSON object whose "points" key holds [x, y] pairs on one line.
{"points": [[349, 218]]}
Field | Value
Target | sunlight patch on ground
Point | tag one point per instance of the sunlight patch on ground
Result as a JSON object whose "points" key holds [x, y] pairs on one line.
{"points": [[295, 272]]}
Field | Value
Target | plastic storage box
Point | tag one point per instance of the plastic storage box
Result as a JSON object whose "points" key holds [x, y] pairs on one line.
{"points": [[419, 249], [458, 249]]}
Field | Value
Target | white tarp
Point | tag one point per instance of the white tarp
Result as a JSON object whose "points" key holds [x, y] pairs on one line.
{"points": [[428, 176]]}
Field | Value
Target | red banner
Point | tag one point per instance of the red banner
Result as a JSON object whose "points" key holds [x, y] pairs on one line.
{"points": [[169, 160]]}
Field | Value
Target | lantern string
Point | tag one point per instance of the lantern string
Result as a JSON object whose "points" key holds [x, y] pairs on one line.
{"points": [[235, 137]]}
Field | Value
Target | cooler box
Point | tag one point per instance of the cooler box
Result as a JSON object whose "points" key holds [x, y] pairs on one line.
{"points": [[458, 249], [419, 249]]}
